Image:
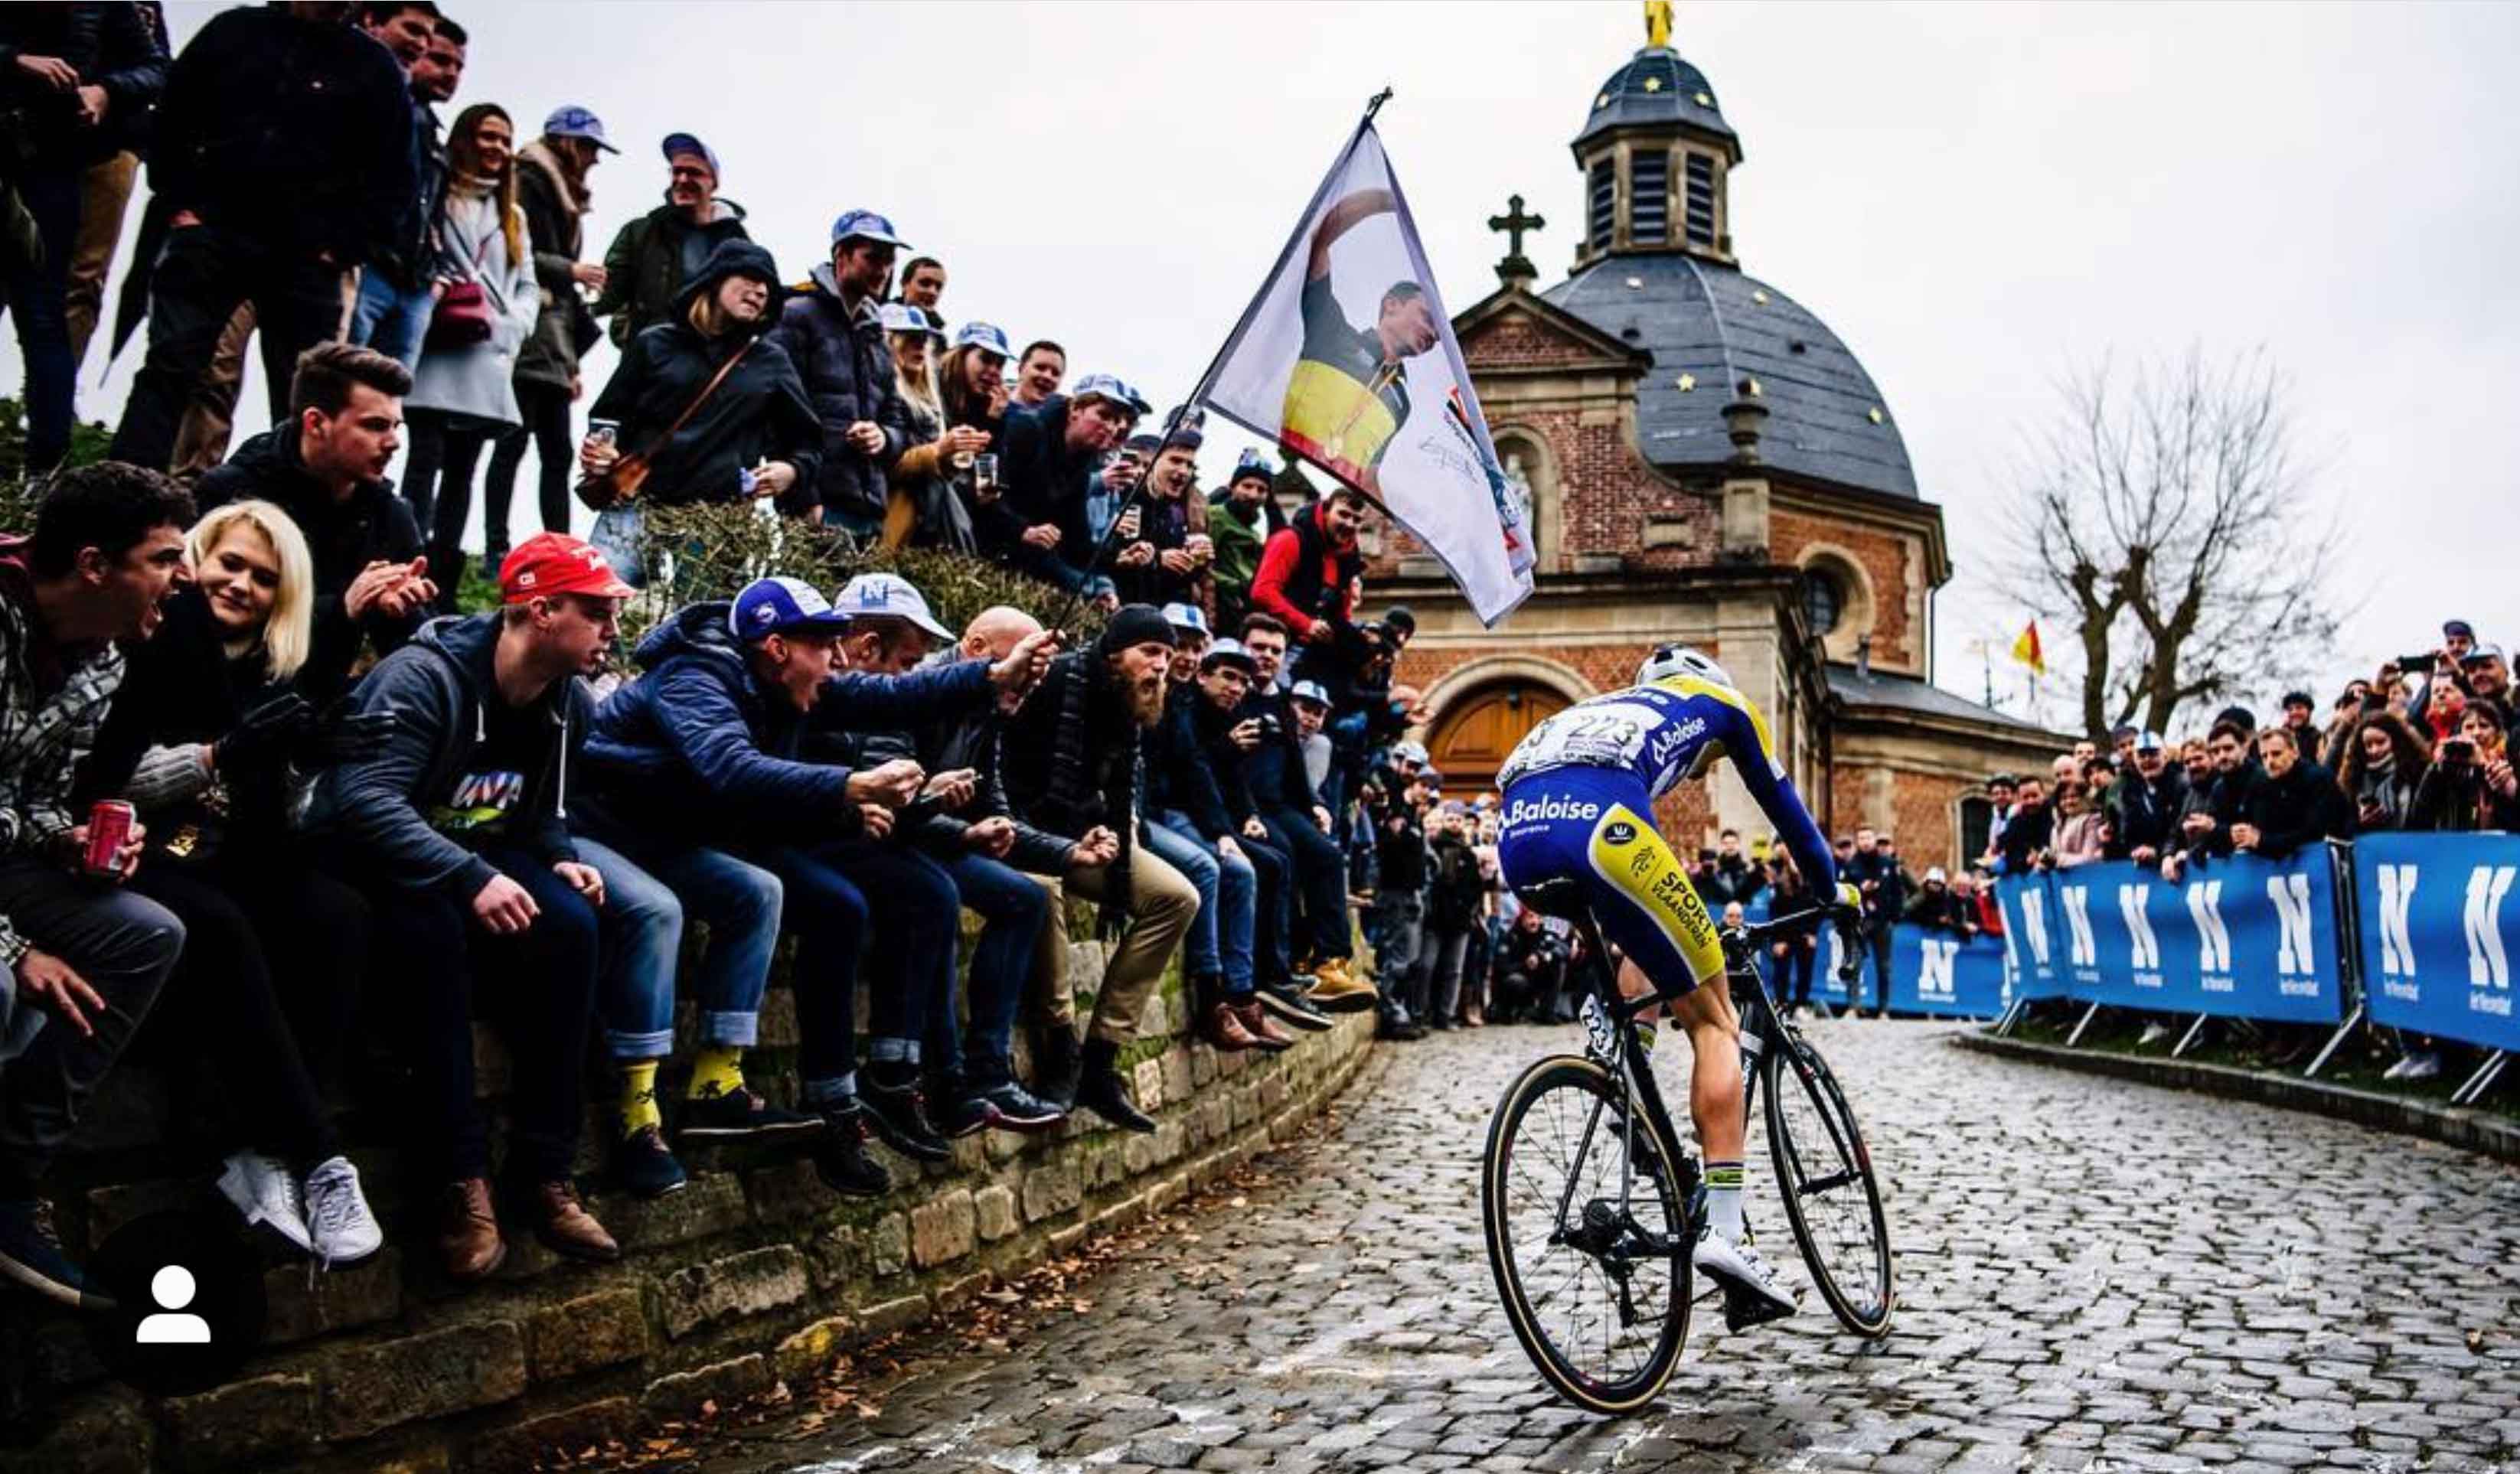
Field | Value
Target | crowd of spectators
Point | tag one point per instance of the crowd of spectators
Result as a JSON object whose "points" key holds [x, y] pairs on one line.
{"points": [[2422, 744], [353, 816]]}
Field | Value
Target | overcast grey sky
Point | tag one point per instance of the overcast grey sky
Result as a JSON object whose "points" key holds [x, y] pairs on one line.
{"points": [[1977, 198]]}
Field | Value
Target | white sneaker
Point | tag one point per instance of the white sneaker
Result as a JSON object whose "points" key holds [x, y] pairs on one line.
{"points": [[1740, 1266], [343, 1231], [2153, 1033], [2422, 1067], [263, 1191]]}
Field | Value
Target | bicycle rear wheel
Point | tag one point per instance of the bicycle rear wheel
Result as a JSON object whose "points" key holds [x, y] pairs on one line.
{"points": [[1824, 1176], [1600, 1312]]}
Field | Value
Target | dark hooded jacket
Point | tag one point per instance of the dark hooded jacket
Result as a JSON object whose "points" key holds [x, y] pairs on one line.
{"points": [[1045, 482], [644, 268], [1193, 768], [291, 132], [555, 221], [436, 687], [971, 740], [759, 412], [697, 751], [849, 375], [370, 526], [1075, 761]]}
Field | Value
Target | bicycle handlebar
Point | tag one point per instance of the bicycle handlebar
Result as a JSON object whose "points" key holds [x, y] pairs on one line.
{"points": [[1810, 918]]}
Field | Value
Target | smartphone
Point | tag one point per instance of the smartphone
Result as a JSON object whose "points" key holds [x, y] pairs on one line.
{"points": [[603, 431]]}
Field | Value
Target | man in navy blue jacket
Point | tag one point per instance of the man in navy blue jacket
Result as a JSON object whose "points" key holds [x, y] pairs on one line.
{"points": [[706, 749], [456, 832]]}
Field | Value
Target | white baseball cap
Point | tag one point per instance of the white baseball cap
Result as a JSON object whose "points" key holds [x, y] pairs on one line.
{"points": [[887, 594]]}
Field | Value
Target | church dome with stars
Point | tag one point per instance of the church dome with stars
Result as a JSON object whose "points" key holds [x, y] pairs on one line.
{"points": [[1657, 87], [1655, 269]]}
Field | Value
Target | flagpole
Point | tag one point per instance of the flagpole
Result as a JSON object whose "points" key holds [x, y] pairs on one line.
{"points": [[1207, 379]]}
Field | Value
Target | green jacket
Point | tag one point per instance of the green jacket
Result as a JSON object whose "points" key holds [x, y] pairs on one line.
{"points": [[649, 261], [1238, 552]]}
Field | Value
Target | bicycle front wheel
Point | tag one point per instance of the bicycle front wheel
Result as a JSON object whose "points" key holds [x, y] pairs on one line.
{"points": [[1586, 1235], [1832, 1199]]}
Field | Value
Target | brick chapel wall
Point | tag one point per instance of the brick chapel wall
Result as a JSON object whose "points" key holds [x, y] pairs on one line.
{"points": [[1924, 813], [1891, 562]]}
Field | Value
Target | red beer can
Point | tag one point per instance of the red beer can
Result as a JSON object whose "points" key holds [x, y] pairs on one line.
{"points": [[109, 825]]}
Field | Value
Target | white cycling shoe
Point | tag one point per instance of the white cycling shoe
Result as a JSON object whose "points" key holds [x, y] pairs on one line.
{"points": [[1739, 1266]]}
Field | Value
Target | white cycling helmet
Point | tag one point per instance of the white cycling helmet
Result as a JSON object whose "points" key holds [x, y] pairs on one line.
{"points": [[1679, 660]]}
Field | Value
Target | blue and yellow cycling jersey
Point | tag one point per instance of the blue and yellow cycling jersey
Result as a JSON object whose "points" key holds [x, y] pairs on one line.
{"points": [[1579, 792]]}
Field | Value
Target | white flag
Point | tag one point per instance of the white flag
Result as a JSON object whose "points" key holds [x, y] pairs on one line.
{"points": [[1347, 358]]}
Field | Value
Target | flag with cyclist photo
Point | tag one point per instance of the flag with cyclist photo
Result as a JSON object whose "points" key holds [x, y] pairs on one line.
{"points": [[1347, 359]]}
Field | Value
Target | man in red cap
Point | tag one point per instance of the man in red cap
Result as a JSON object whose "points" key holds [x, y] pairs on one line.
{"points": [[458, 833]]}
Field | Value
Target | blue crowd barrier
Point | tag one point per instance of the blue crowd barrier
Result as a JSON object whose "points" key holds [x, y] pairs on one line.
{"points": [[1939, 974], [2439, 933], [2239, 937]]}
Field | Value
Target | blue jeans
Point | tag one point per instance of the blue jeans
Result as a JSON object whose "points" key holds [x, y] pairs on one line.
{"points": [[644, 903], [1013, 908], [1219, 944], [832, 888], [39, 298], [391, 319], [1320, 872]]}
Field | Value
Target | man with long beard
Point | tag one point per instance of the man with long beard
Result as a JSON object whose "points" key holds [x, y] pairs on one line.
{"points": [[1072, 757]]}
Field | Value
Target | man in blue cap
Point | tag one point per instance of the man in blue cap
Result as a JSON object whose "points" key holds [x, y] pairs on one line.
{"points": [[834, 330], [655, 254], [707, 748]]}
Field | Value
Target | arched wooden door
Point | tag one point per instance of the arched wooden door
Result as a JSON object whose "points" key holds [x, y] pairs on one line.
{"points": [[1474, 733]]}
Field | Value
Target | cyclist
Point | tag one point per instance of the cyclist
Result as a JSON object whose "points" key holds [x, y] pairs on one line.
{"points": [[1579, 793]]}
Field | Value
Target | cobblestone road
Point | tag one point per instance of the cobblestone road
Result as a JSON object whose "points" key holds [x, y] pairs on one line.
{"points": [[2093, 1275]]}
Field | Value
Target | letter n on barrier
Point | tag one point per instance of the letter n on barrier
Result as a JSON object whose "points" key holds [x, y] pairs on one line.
{"points": [[1935, 976], [2397, 897], [2143, 948], [2213, 943], [2078, 925], [2291, 895], [2486, 886], [2034, 921]]}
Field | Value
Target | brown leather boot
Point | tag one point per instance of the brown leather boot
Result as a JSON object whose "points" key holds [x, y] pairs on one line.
{"points": [[564, 1225], [468, 1232], [1222, 1027], [1263, 1029]]}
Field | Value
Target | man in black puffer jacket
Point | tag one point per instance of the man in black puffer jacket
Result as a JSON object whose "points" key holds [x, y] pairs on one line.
{"points": [[831, 330]]}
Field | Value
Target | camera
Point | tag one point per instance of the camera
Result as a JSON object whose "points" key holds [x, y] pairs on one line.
{"points": [[2457, 752], [1269, 727]]}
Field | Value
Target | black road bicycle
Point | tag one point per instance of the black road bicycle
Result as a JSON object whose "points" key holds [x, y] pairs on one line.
{"points": [[1592, 1209]]}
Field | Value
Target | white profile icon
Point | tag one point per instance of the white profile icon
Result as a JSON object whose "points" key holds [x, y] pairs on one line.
{"points": [[172, 1288]]}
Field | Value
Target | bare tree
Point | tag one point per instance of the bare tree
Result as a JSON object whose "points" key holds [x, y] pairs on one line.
{"points": [[2168, 510]]}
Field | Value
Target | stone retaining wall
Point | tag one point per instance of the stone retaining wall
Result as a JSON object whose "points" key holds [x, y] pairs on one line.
{"points": [[753, 1273]]}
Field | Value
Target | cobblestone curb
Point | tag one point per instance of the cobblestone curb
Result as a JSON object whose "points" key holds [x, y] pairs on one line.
{"points": [[2475, 1131]]}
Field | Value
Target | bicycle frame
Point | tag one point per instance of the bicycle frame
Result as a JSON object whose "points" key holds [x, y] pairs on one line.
{"points": [[1760, 1023]]}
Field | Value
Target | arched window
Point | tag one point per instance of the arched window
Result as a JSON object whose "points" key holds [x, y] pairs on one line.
{"points": [[1824, 601], [1977, 822]]}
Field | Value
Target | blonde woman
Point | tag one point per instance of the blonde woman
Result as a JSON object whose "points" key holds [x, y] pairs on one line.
{"points": [[922, 508], [207, 737]]}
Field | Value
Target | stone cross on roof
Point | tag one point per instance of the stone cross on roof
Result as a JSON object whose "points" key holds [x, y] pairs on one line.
{"points": [[1517, 267]]}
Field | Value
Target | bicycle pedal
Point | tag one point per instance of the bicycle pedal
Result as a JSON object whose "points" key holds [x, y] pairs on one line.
{"points": [[1743, 1310]]}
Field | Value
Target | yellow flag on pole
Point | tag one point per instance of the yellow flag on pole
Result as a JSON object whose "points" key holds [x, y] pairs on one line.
{"points": [[2026, 649]]}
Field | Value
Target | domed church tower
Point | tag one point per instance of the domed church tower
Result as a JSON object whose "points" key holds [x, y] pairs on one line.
{"points": [[1708, 463]]}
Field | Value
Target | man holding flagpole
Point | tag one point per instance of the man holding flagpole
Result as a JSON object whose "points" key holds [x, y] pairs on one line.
{"points": [[1349, 392]]}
